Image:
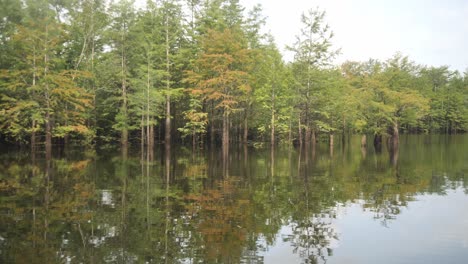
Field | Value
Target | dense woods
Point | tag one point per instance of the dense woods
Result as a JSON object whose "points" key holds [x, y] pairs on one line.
{"points": [[97, 72]]}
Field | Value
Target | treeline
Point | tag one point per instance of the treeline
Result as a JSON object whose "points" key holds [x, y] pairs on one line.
{"points": [[90, 71]]}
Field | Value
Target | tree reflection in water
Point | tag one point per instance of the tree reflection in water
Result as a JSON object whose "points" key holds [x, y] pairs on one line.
{"points": [[203, 206]]}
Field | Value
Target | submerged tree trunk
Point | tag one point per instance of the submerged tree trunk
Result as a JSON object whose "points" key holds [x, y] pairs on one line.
{"points": [[300, 131], [142, 136], [124, 133], [167, 162], [313, 137], [48, 140], [246, 129], [364, 141], [194, 140], [394, 144], [124, 106], [393, 151], [48, 125], [272, 127], [343, 138], [33, 126], [395, 135], [212, 128], [246, 124], [225, 137], [308, 135], [151, 139], [272, 158], [149, 127], [33, 136], [378, 142], [167, 134], [225, 142]]}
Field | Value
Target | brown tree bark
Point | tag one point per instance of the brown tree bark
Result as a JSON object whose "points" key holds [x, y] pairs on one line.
{"points": [[313, 137], [308, 135], [272, 127], [225, 137], [364, 141], [167, 133], [124, 133], [300, 131]]}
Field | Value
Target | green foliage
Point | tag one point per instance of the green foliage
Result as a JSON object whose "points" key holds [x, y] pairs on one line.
{"points": [[195, 119], [85, 70], [386, 95]]}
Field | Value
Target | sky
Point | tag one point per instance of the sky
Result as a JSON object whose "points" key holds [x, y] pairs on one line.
{"points": [[429, 32]]}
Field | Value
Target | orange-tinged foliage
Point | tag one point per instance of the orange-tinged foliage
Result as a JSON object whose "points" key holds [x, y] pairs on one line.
{"points": [[222, 75]]}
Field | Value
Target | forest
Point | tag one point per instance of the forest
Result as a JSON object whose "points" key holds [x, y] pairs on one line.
{"points": [[93, 72]]}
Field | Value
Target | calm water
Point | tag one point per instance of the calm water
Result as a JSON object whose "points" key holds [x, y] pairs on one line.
{"points": [[258, 206]]}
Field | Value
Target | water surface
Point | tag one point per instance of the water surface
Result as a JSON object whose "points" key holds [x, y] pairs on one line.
{"points": [[349, 205]]}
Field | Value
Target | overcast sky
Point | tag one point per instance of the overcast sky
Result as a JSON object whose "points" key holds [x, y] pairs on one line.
{"points": [[430, 32]]}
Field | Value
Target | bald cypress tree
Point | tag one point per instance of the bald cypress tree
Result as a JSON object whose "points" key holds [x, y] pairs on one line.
{"points": [[312, 51]]}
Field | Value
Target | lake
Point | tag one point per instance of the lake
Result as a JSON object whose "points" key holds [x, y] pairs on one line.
{"points": [[257, 205]]}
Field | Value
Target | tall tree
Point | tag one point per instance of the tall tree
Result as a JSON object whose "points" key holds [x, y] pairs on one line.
{"points": [[220, 75], [312, 51], [123, 18], [172, 31], [87, 22], [272, 96]]}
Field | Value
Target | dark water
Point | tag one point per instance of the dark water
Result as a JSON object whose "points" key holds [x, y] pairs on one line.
{"points": [[256, 206]]}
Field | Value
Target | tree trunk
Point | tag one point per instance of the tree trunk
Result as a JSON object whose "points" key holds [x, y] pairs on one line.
{"points": [[48, 140], [225, 147], [33, 136], [300, 131], [364, 141], [395, 139], [151, 140], [313, 137], [212, 128], [308, 135], [343, 139], [378, 142], [48, 125], [124, 133], [272, 127], [124, 138], [225, 137], [246, 129], [394, 143], [167, 162], [194, 140], [167, 134], [142, 136], [33, 130]]}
